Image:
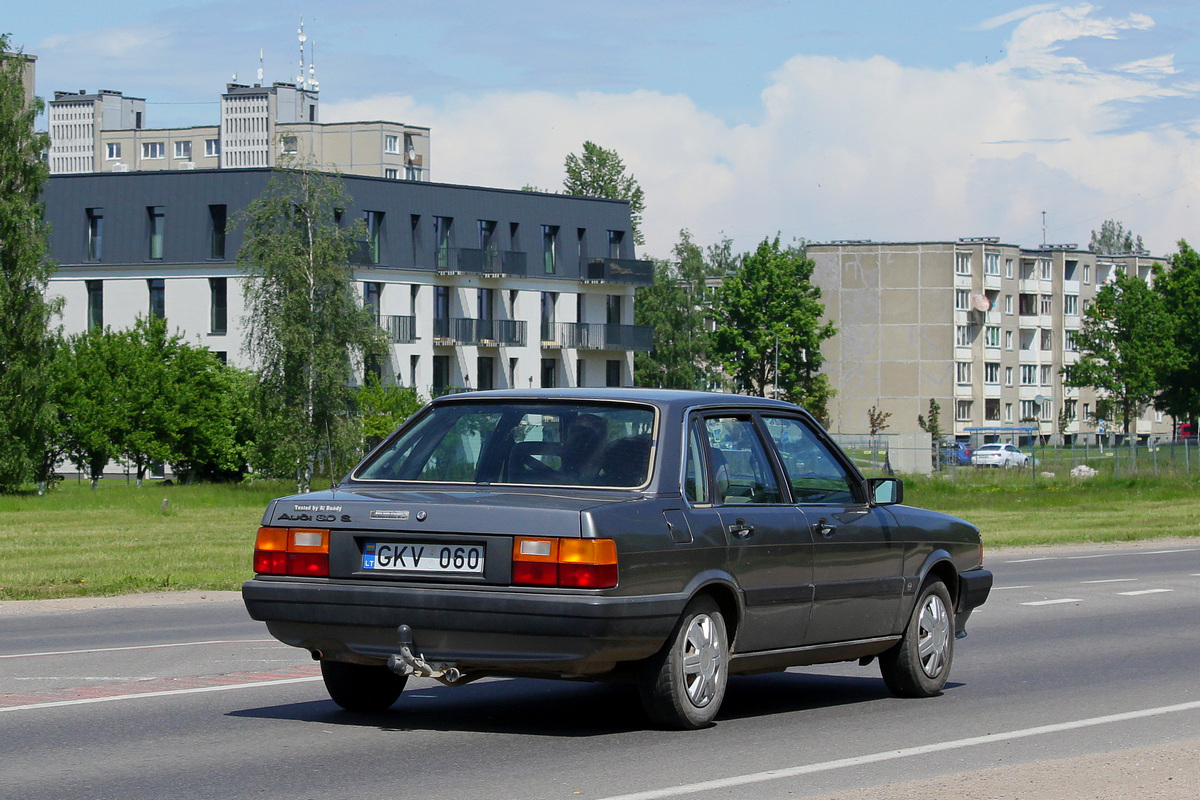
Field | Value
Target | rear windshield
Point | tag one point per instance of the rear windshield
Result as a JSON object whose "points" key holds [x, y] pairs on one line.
{"points": [[541, 444]]}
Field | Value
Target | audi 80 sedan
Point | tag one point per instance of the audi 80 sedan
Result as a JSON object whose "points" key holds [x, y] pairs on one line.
{"points": [[661, 537]]}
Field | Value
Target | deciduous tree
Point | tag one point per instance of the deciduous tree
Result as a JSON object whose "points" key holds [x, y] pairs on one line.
{"points": [[1179, 287], [26, 338], [1113, 238], [768, 327], [598, 172], [306, 326], [1126, 341]]}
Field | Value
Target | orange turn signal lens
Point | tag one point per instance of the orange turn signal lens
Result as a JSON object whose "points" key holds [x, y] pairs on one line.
{"points": [[291, 551], [577, 563]]}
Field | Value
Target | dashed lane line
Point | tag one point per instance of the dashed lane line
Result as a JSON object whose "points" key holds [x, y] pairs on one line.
{"points": [[1053, 602], [134, 647], [1144, 591]]}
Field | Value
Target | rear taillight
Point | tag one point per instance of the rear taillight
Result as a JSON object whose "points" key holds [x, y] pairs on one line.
{"points": [[292, 551], [575, 563]]}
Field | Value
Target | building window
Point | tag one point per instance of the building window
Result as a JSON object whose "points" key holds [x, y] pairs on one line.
{"points": [[991, 409], [1070, 344], [441, 312], [615, 240], [962, 335], [1029, 374], [1071, 409], [962, 263], [212, 148], [288, 144], [1046, 305], [1047, 339], [183, 150], [441, 374], [1087, 273], [218, 305], [962, 410], [1071, 305], [1008, 304], [391, 143], [1047, 374], [414, 362], [1008, 376], [113, 151], [1008, 340], [485, 301], [962, 372], [512, 372], [962, 299], [613, 306], [1008, 267], [485, 373], [95, 230], [374, 220], [1044, 268], [1008, 412], [222, 356], [217, 218], [549, 245], [549, 301], [1069, 269], [612, 372], [1047, 409], [391, 174], [1029, 411], [991, 373], [158, 298], [156, 215], [549, 373], [991, 264], [153, 150], [991, 336], [441, 235], [95, 295]]}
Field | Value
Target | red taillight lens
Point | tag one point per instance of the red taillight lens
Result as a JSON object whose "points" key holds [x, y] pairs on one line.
{"points": [[577, 563], [292, 551]]}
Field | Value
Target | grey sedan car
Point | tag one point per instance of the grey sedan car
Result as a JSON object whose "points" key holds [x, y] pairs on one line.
{"points": [[665, 538]]}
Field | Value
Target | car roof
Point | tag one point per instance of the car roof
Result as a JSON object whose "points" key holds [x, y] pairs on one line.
{"points": [[663, 398]]}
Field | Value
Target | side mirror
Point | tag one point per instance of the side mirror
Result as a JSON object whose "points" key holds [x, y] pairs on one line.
{"points": [[885, 491]]}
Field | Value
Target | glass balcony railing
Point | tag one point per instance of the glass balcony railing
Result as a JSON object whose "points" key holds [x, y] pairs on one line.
{"points": [[626, 271]]}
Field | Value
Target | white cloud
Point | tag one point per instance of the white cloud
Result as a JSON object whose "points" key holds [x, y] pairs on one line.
{"points": [[860, 149]]}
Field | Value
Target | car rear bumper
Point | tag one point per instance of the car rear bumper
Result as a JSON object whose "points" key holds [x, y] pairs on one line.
{"points": [[499, 631], [974, 586]]}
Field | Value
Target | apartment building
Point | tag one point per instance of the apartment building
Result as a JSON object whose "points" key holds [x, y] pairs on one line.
{"points": [[982, 327], [477, 288], [106, 131]]}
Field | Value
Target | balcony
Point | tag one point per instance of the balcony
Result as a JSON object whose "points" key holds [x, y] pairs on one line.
{"points": [[597, 336], [487, 262], [400, 330], [627, 271], [481, 332]]}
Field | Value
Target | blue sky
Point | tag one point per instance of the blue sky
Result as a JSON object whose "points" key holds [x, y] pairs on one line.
{"points": [[853, 120]]}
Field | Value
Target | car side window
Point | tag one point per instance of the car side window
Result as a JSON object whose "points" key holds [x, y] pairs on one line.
{"points": [[813, 472], [695, 471], [741, 470]]}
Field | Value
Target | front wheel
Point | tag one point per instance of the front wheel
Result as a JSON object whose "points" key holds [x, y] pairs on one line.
{"points": [[919, 664], [682, 687], [362, 687]]}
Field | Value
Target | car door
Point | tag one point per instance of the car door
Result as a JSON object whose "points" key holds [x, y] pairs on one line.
{"points": [[858, 559], [769, 546]]}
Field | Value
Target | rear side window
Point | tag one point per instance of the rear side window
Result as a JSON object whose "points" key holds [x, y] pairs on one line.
{"points": [[550, 444], [741, 470]]}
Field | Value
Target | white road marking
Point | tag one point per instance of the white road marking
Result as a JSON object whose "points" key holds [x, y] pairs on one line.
{"points": [[165, 693], [1113, 580], [1144, 591], [1097, 555], [908, 752], [1029, 560], [133, 647], [1053, 602], [1003, 588], [1165, 552]]}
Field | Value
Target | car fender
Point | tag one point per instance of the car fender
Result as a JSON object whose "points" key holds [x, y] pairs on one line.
{"points": [[724, 588], [938, 562]]}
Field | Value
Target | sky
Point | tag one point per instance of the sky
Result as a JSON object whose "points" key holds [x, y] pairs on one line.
{"points": [[888, 121]]}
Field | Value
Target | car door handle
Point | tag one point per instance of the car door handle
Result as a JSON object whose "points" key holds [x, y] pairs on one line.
{"points": [[823, 528], [740, 529]]}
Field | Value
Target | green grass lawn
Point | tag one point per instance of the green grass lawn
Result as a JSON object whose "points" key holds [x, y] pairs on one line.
{"points": [[118, 539]]}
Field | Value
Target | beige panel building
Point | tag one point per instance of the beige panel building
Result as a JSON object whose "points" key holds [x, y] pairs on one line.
{"points": [[981, 326]]}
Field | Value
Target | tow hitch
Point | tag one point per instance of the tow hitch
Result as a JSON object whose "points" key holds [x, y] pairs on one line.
{"points": [[406, 662]]}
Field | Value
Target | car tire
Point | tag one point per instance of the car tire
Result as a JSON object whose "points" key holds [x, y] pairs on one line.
{"points": [[362, 687], [919, 664], [683, 685]]}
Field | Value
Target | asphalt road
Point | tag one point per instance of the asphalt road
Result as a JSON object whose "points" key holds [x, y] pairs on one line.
{"points": [[1079, 651]]}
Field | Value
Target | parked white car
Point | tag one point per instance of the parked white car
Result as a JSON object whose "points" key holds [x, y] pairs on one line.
{"points": [[998, 455]]}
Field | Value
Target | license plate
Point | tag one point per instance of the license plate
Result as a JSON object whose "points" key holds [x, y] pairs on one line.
{"points": [[425, 557]]}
